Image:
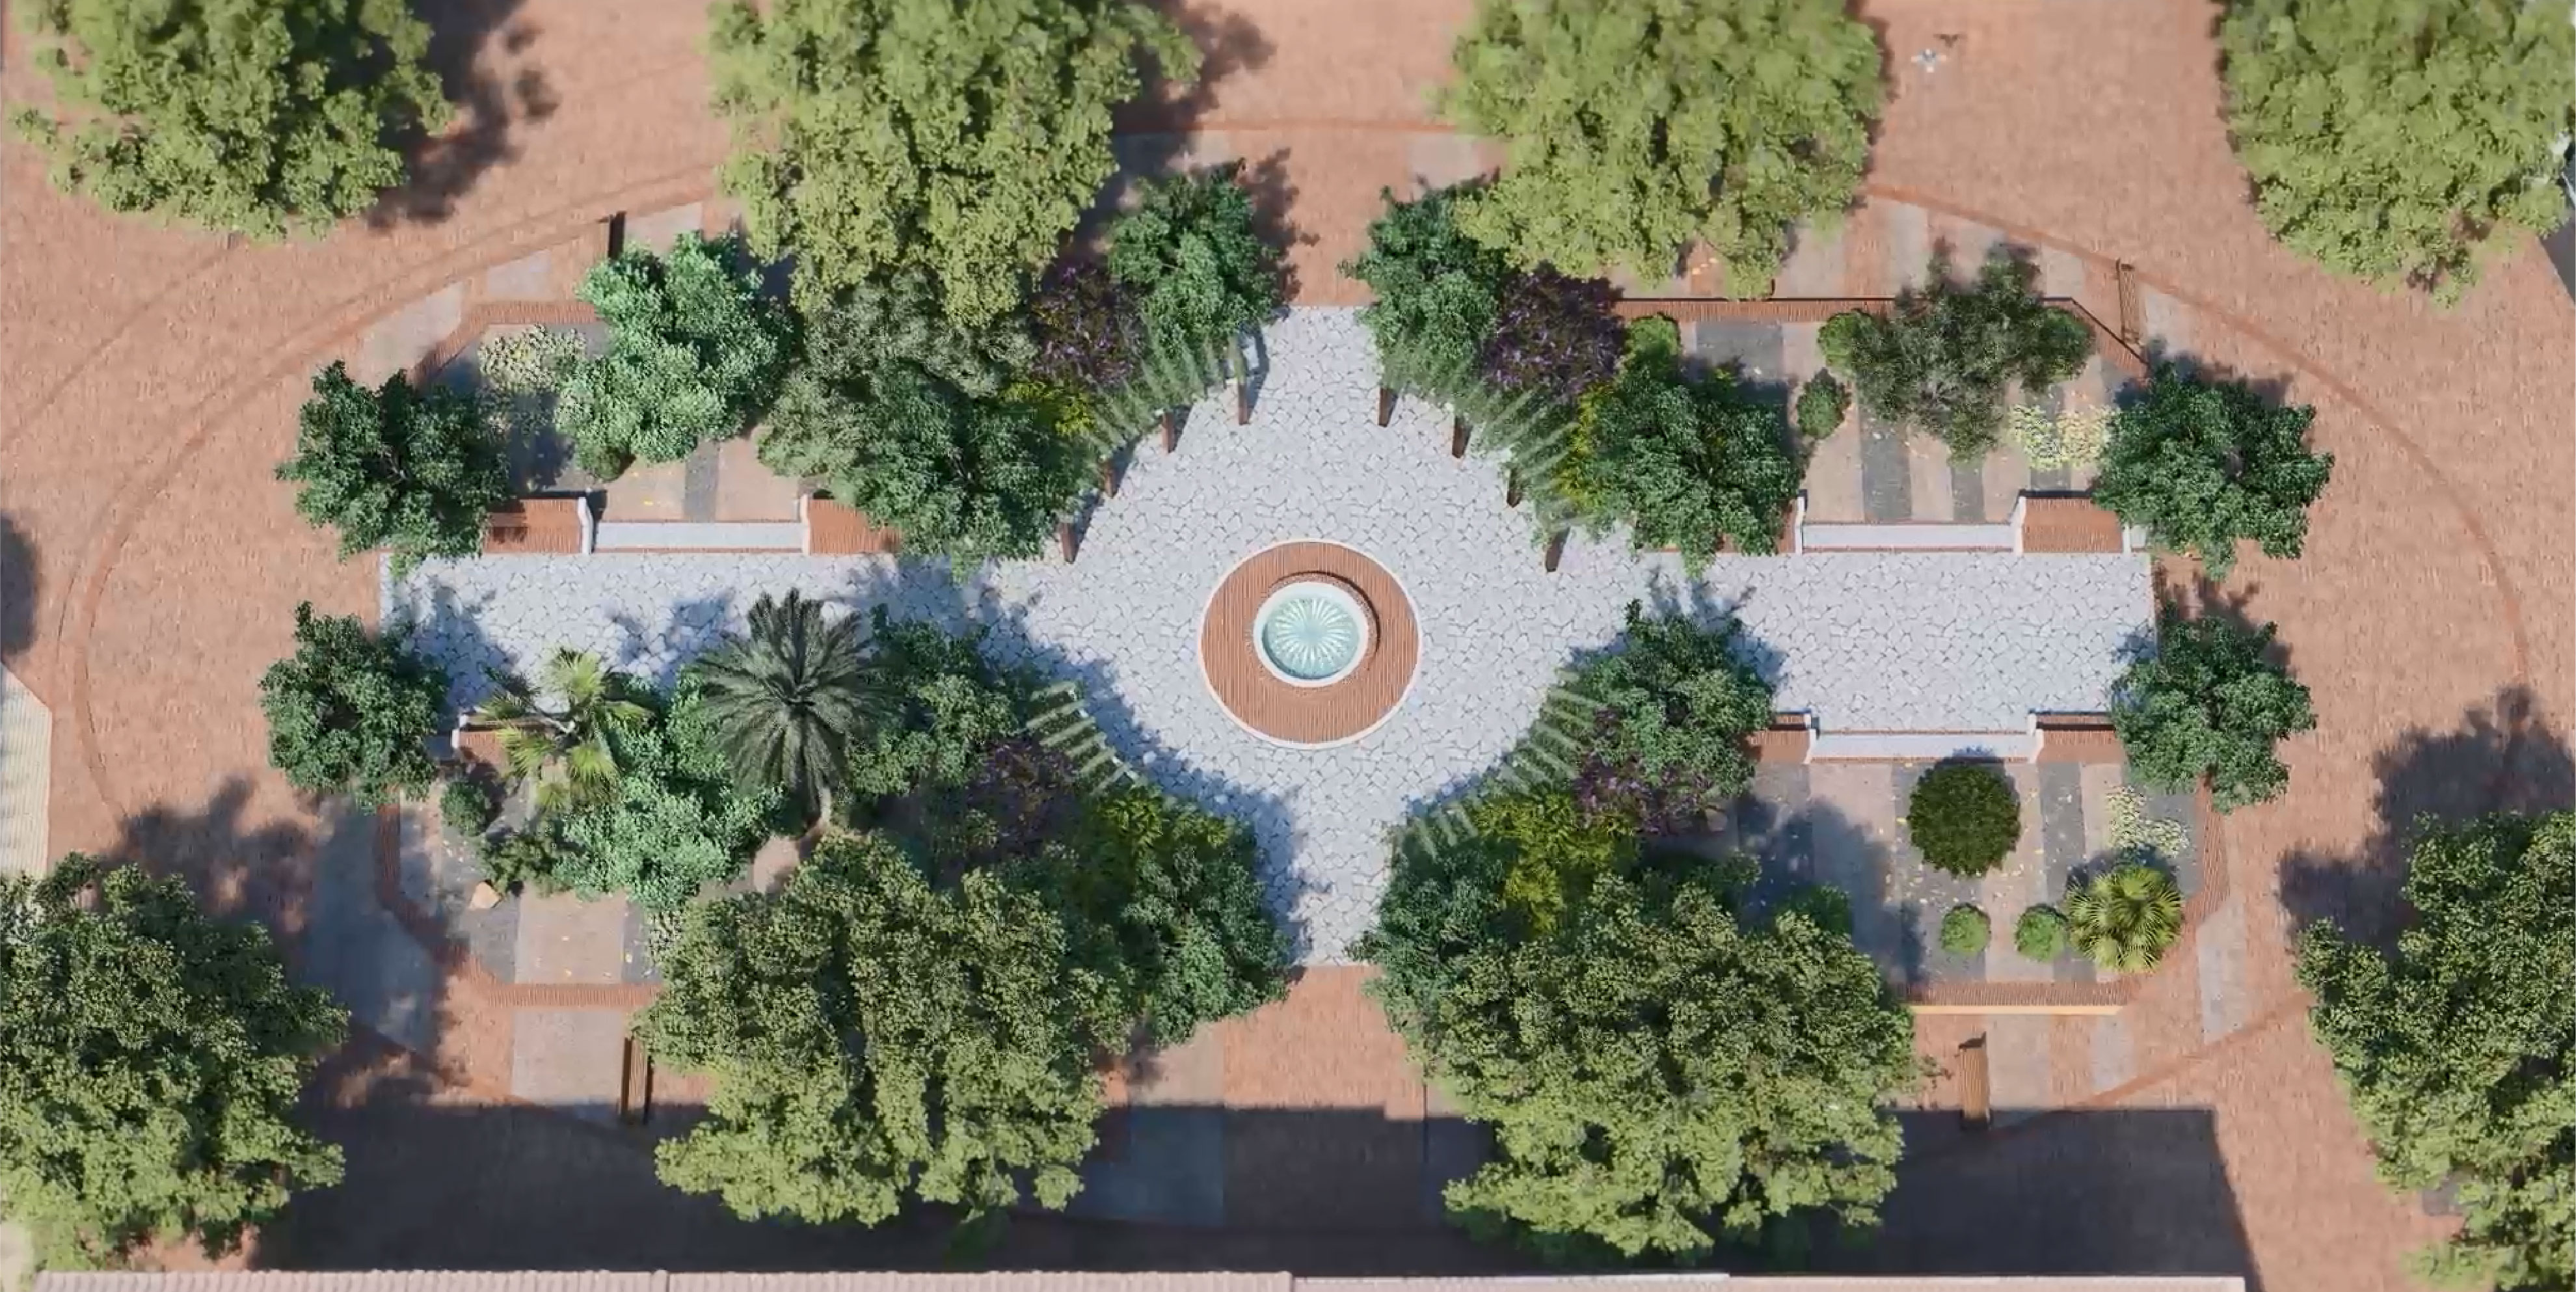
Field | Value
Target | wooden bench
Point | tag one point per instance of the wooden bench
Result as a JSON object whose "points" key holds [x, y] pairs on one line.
{"points": [[838, 529], [2078, 738], [534, 526], [2061, 523]]}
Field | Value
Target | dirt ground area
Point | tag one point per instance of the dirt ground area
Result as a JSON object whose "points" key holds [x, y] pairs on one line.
{"points": [[149, 564]]}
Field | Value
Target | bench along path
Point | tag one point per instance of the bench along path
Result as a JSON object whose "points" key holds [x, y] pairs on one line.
{"points": [[1867, 641]]}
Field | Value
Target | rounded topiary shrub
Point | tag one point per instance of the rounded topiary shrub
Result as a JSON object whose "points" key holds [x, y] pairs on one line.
{"points": [[2040, 934], [1964, 817], [1964, 931]]}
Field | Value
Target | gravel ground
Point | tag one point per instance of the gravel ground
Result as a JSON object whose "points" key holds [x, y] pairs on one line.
{"points": [[1867, 641]]}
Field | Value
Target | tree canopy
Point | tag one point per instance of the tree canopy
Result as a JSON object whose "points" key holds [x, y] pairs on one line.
{"points": [[150, 1064], [1189, 250], [874, 1040], [1637, 126], [2210, 702], [785, 700], [695, 353], [1685, 464], [350, 712], [400, 467], [259, 116], [2458, 1050], [2201, 464], [2399, 141], [962, 137], [1436, 289], [1942, 357], [1675, 703]]}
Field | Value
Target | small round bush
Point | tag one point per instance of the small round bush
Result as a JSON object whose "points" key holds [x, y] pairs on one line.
{"points": [[2040, 934], [1964, 931], [1821, 405], [1964, 817], [468, 804]]}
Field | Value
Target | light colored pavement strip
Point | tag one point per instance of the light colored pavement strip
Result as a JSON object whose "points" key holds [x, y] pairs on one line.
{"points": [[1868, 640], [26, 762]]}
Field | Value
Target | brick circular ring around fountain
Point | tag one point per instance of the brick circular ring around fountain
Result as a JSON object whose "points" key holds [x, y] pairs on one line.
{"points": [[1309, 644]]}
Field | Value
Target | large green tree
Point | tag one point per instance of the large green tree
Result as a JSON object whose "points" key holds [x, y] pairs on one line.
{"points": [[695, 353], [874, 1040], [1637, 126], [407, 469], [2458, 1049], [1191, 253], [1661, 1074], [1944, 354], [1674, 704], [2201, 464], [350, 712], [2402, 141], [676, 820], [963, 137], [150, 1064], [785, 700], [2210, 703], [1436, 290], [261, 116], [1684, 464]]}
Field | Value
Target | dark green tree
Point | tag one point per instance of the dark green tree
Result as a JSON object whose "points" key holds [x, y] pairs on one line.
{"points": [[947, 707], [260, 116], [785, 701], [150, 1064], [962, 137], [1638, 126], [1437, 291], [1189, 251], [1164, 903], [695, 353], [674, 821], [403, 468], [1660, 1074], [2210, 703], [2398, 141], [1675, 704], [2458, 1050], [875, 1040], [1941, 358], [1687, 465], [1964, 816], [2200, 465], [350, 712]]}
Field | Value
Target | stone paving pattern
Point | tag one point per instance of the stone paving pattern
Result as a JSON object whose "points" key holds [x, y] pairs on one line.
{"points": [[1866, 641]]}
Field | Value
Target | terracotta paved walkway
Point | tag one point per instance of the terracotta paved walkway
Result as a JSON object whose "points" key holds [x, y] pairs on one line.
{"points": [[151, 561]]}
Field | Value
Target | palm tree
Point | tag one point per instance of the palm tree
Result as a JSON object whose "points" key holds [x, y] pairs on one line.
{"points": [[2126, 918], [785, 701], [565, 748]]}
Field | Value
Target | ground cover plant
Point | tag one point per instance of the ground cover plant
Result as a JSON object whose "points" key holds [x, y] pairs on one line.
{"points": [[1636, 127], [2401, 143], [2125, 918], [151, 1060], [1964, 817], [407, 469], [1942, 356], [1189, 253], [2210, 703], [263, 117], [352, 713], [964, 140], [2456, 1046], [695, 354], [1693, 465], [1665, 1068], [2202, 464]]}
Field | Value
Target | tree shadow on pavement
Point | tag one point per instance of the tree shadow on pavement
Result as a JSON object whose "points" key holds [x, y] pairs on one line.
{"points": [[238, 870], [475, 46], [2501, 757], [18, 588]]}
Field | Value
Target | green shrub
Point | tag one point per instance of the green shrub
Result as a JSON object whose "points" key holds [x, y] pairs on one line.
{"points": [[1191, 254], [529, 858], [947, 708], [1965, 930], [1673, 706], [2456, 1047], [1436, 289], [1964, 817], [261, 116], [1822, 402], [1637, 126], [677, 823], [1556, 847], [2210, 703], [2125, 918], [2397, 141], [1942, 357], [2200, 465], [2040, 934], [468, 805], [1686, 465], [695, 353], [400, 467], [963, 138], [351, 712]]}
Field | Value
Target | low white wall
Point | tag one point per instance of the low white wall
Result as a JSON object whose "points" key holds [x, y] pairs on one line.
{"points": [[2010, 746], [1906, 536], [698, 536]]}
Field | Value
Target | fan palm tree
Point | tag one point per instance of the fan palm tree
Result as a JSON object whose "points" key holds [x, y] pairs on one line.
{"points": [[2125, 918], [785, 701], [563, 748]]}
